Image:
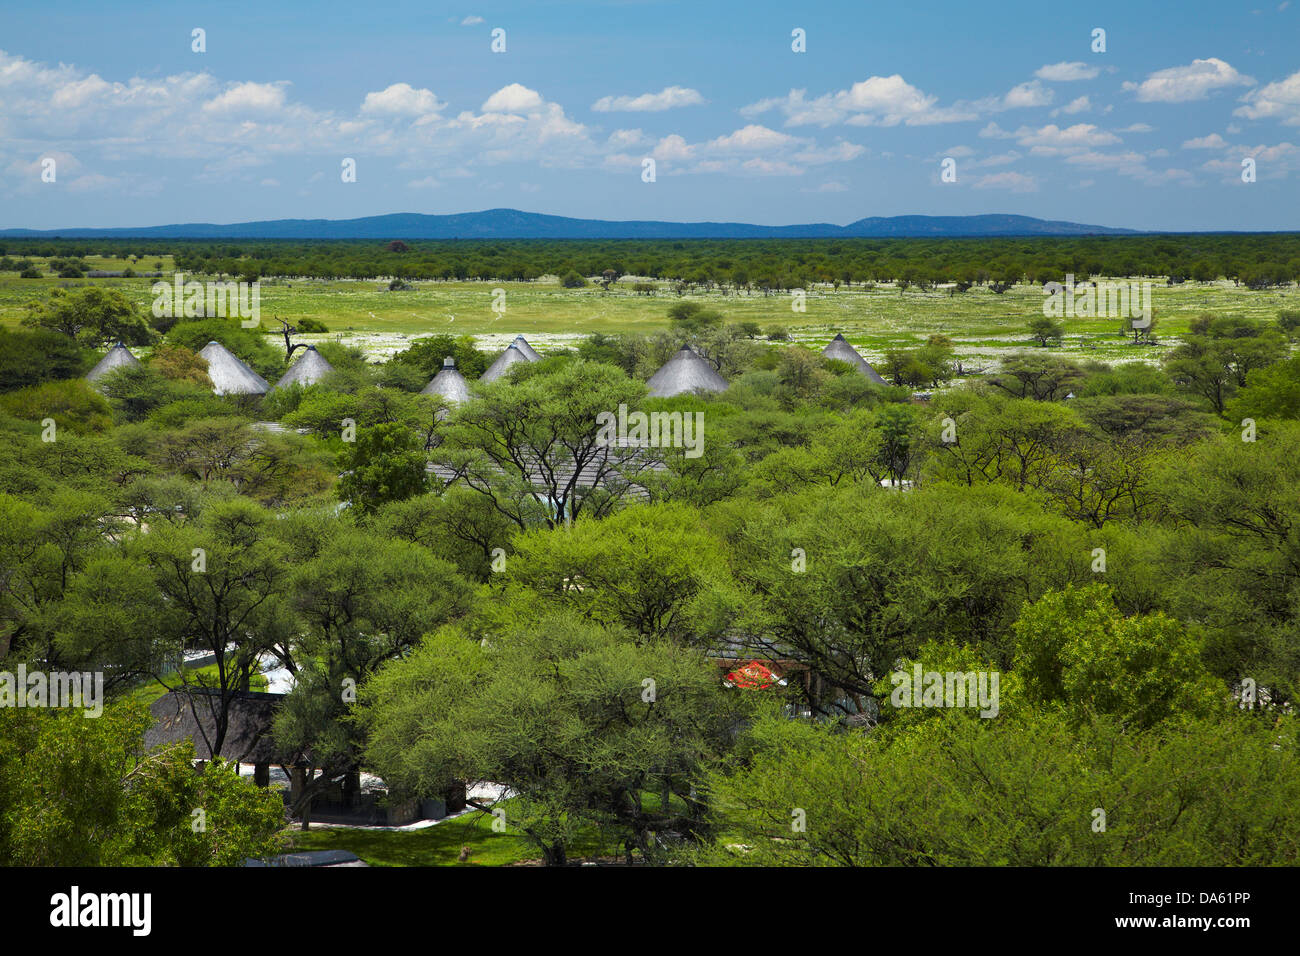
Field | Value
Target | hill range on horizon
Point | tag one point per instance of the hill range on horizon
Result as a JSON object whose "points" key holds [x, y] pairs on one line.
{"points": [[517, 224]]}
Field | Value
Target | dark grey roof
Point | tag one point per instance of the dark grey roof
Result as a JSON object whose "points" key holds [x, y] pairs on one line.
{"points": [[448, 383], [230, 376], [840, 349], [685, 372], [310, 368], [522, 345], [117, 357], [511, 356], [248, 735]]}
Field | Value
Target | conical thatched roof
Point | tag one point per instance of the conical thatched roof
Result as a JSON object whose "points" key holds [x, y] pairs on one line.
{"points": [[839, 348], [502, 365], [448, 383], [522, 345], [229, 375], [685, 372], [117, 357], [308, 370]]}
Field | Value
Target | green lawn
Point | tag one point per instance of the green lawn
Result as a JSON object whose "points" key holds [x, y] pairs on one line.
{"points": [[438, 845], [980, 322]]}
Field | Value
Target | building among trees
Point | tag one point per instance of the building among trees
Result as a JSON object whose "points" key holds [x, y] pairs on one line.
{"points": [[229, 374], [685, 373], [308, 370], [119, 356], [840, 350], [448, 383]]}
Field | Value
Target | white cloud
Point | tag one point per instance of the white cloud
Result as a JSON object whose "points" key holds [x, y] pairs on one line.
{"points": [[753, 137], [625, 138], [1213, 141], [1079, 105], [1025, 95], [875, 101], [471, 21], [673, 147], [514, 98], [249, 98], [1279, 101], [1052, 140], [670, 97], [1067, 72], [1137, 128], [401, 99], [1182, 84]]}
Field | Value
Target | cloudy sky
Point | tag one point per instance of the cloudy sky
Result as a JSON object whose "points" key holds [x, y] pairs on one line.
{"points": [[1149, 134]]}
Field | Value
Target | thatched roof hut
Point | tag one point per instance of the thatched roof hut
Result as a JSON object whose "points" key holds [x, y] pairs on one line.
{"points": [[685, 372], [511, 356], [193, 713], [310, 368], [840, 349], [230, 376], [522, 345], [117, 357], [448, 383]]}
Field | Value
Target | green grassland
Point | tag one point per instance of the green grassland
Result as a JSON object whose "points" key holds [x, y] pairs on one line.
{"points": [[440, 845], [981, 323]]}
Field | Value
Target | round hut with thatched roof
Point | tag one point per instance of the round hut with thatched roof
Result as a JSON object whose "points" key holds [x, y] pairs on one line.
{"points": [[230, 376], [449, 384], [840, 349], [116, 357], [685, 373], [310, 368], [522, 345], [513, 355]]}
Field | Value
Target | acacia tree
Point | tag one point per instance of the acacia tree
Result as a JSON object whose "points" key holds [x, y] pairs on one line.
{"points": [[93, 316], [218, 581], [531, 443], [582, 723], [358, 601]]}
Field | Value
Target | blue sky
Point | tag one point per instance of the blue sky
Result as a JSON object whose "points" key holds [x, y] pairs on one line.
{"points": [[1149, 134]]}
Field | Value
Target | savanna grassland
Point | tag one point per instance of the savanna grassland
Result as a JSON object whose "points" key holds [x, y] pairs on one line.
{"points": [[982, 324]]}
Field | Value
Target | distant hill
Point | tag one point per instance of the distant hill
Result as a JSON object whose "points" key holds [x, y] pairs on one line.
{"points": [[515, 224]]}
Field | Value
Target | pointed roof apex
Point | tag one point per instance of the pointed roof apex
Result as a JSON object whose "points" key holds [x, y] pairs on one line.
{"points": [[685, 372], [308, 370], [119, 356], [522, 345], [229, 374], [448, 383], [840, 349], [509, 357]]}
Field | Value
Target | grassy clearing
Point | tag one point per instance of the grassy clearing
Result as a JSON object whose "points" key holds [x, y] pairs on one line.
{"points": [[438, 845], [875, 320]]}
